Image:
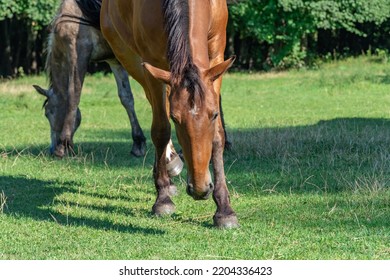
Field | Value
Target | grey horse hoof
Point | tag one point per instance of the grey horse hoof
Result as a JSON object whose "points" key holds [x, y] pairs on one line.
{"points": [[175, 166], [163, 209], [226, 222], [60, 151], [138, 149]]}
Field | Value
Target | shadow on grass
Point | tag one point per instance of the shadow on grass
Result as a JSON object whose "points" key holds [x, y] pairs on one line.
{"points": [[330, 154], [34, 198], [347, 154]]}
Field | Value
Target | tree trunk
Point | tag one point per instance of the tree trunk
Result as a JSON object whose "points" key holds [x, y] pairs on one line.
{"points": [[5, 49], [19, 46], [30, 64]]}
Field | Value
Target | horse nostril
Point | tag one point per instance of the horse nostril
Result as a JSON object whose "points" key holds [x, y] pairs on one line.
{"points": [[210, 190], [211, 185], [190, 189]]}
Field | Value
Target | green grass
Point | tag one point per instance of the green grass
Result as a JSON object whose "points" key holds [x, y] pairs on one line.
{"points": [[309, 173]]}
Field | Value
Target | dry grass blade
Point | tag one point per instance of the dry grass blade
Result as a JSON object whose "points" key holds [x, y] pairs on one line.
{"points": [[3, 202]]}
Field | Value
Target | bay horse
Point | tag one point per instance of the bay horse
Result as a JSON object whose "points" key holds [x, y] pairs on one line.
{"points": [[175, 50], [75, 39]]}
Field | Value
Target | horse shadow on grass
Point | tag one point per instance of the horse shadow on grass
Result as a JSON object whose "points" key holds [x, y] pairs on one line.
{"points": [[327, 157], [37, 199]]}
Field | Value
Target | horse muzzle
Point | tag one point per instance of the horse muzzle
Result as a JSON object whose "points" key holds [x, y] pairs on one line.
{"points": [[55, 141], [200, 193]]}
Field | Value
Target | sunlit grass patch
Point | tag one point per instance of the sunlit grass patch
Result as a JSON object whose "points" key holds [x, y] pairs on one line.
{"points": [[308, 174]]}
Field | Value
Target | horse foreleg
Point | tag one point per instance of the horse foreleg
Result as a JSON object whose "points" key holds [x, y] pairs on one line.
{"points": [[127, 100], [161, 135], [224, 217], [70, 125], [174, 162], [78, 62], [164, 186]]}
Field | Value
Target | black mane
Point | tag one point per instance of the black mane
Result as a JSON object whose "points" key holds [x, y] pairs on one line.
{"points": [[184, 73], [91, 10]]}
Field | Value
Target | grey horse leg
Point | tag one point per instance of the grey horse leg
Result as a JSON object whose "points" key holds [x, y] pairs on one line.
{"points": [[77, 68], [127, 100]]}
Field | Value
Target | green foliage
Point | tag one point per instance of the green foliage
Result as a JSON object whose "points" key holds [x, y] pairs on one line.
{"points": [[7, 8], [285, 23], [382, 55], [347, 13], [276, 19], [38, 13], [275, 34]]}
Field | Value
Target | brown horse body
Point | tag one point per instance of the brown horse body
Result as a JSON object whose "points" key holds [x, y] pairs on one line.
{"points": [[174, 49]]}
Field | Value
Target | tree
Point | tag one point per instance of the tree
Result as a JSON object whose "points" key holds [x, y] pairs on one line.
{"points": [[21, 29], [263, 34], [287, 26]]}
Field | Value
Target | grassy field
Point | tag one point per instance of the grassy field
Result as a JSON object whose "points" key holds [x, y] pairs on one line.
{"points": [[309, 173]]}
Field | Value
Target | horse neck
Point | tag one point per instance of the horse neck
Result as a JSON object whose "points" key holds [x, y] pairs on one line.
{"points": [[199, 24]]}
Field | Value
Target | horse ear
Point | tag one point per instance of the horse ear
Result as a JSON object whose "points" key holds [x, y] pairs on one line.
{"points": [[159, 74], [216, 71], [42, 91]]}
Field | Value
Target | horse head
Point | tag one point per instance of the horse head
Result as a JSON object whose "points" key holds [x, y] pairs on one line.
{"points": [[194, 110], [55, 111]]}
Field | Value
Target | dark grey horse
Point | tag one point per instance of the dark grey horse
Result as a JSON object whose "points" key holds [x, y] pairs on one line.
{"points": [[75, 40]]}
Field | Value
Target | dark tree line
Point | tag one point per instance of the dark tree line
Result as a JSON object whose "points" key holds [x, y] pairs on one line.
{"points": [[263, 34], [23, 34], [293, 33]]}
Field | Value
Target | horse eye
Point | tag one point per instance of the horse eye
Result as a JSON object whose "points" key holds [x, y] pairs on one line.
{"points": [[215, 115]]}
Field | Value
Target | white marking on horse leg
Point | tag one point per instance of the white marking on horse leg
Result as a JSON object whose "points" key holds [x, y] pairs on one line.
{"points": [[169, 151]]}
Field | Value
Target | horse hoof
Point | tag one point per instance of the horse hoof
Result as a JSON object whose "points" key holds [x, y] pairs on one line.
{"points": [[163, 209], [138, 149], [226, 222], [175, 166], [60, 151]]}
